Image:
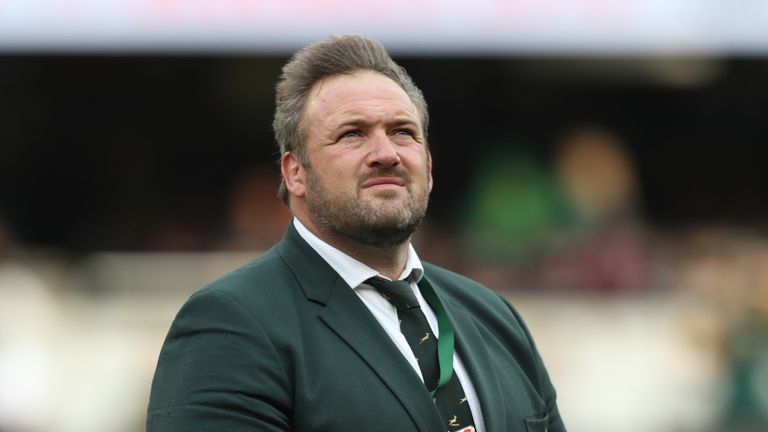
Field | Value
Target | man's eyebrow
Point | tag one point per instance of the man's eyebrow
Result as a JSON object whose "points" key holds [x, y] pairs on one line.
{"points": [[404, 121], [357, 121], [364, 122]]}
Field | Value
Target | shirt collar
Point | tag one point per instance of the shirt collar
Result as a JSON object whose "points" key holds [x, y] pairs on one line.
{"points": [[351, 270]]}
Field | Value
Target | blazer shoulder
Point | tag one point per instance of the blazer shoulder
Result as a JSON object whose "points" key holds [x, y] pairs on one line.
{"points": [[460, 286], [259, 276]]}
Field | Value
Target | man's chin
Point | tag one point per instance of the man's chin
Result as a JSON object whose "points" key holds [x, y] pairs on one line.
{"points": [[384, 194]]}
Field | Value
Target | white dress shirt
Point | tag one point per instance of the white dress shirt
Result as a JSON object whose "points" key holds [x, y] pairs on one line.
{"points": [[355, 273]]}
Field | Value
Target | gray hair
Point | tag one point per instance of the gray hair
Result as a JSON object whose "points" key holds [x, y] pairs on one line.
{"points": [[334, 56]]}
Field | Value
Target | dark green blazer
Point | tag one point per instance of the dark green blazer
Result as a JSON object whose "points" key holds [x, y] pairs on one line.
{"points": [[285, 344]]}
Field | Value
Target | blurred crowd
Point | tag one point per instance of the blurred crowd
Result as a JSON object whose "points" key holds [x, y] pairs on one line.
{"points": [[568, 228]]}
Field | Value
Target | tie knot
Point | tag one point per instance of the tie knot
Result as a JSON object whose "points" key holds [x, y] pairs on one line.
{"points": [[398, 292]]}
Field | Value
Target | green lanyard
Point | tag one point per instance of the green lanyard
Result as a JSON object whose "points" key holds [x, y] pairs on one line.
{"points": [[445, 340]]}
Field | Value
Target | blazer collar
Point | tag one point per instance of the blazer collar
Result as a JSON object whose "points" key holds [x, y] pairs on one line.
{"points": [[316, 278], [346, 315]]}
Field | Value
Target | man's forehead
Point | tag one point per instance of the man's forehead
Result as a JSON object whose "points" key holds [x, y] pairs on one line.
{"points": [[360, 94], [360, 85]]}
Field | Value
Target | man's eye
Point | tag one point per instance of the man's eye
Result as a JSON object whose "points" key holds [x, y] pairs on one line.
{"points": [[350, 134], [406, 132]]}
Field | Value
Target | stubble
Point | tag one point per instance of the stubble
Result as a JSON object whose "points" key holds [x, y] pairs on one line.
{"points": [[381, 221]]}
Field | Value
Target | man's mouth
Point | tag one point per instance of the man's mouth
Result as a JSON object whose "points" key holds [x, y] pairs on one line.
{"points": [[383, 181]]}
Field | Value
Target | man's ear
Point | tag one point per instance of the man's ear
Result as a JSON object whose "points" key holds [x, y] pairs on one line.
{"points": [[429, 170], [294, 174]]}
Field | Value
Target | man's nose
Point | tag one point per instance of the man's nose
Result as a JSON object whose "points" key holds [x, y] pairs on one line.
{"points": [[383, 151]]}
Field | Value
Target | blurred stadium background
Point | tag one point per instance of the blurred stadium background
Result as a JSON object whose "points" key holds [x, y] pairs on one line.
{"points": [[600, 163]]}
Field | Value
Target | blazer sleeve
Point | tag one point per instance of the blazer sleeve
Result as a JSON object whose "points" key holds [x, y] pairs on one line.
{"points": [[554, 423], [218, 371]]}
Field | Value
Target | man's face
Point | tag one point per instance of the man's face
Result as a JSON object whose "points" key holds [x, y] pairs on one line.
{"points": [[369, 174]]}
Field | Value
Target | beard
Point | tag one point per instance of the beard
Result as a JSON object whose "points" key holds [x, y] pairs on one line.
{"points": [[386, 222]]}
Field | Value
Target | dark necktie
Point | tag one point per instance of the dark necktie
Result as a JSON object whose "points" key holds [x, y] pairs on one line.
{"points": [[450, 399]]}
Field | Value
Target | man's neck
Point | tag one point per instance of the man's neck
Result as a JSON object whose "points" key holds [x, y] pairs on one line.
{"points": [[389, 261]]}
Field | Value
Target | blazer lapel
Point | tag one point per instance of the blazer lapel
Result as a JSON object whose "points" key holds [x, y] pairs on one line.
{"points": [[475, 356], [350, 320]]}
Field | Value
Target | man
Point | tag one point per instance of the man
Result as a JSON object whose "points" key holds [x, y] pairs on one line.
{"points": [[314, 335]]}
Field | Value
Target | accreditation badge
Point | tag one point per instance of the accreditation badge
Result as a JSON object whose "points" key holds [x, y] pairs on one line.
{"points": [[466, 429]]}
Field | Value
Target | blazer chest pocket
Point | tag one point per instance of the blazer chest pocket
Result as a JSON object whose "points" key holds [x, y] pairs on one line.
{"points": [[537, 424]]}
